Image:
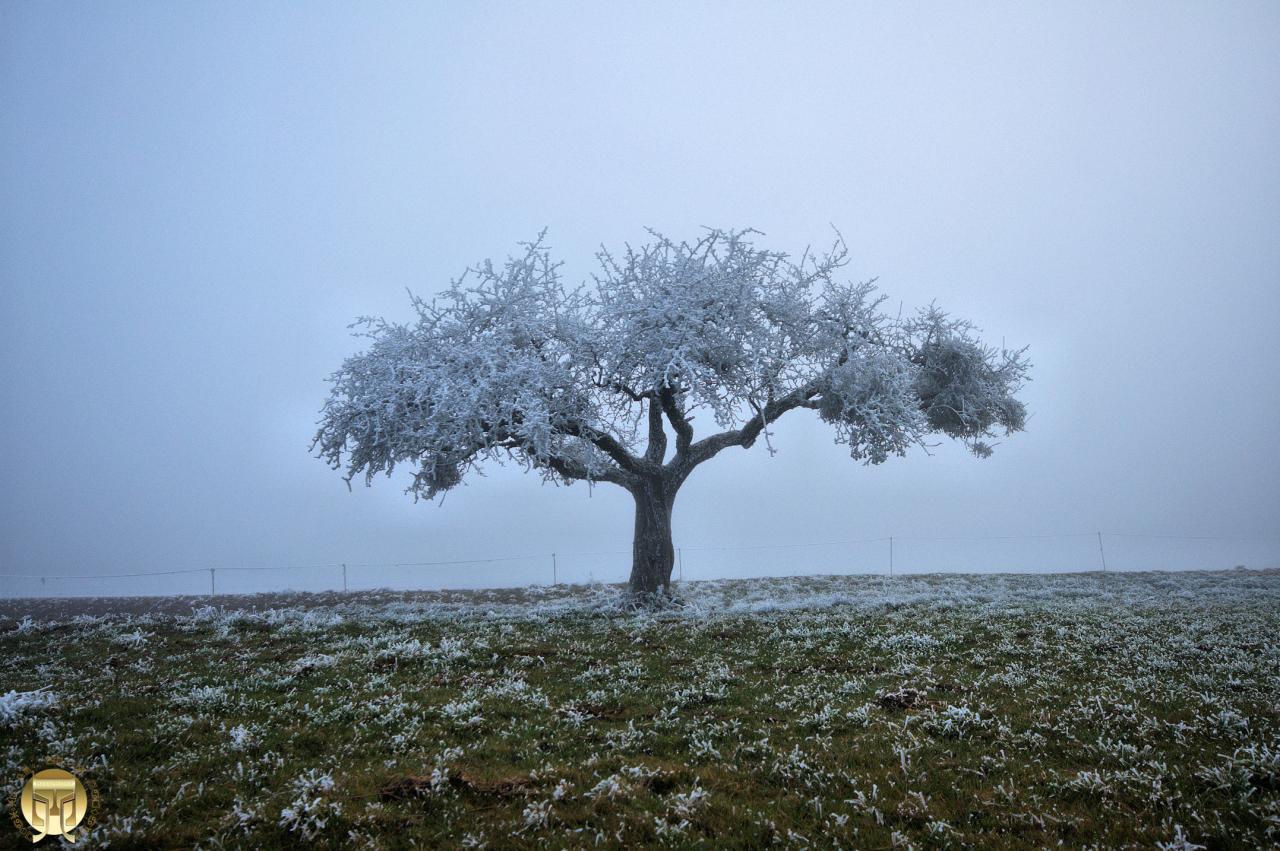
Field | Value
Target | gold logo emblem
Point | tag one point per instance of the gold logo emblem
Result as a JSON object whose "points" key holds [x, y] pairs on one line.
{"points": [[54, 802]]}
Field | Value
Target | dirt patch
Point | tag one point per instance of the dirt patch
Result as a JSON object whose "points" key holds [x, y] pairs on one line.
{"points": [[404, 788], [903, 698], [512, 784], [660, 783]]}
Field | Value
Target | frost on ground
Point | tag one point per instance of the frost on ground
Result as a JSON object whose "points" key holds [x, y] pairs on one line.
{"points": [[14, 704], [992, 711]]}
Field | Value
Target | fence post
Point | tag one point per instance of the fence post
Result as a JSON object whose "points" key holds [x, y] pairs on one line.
{"points": [[680, 561], [212, 587], [344, 577], [891, 556], [553, 570], [1104, 556]]}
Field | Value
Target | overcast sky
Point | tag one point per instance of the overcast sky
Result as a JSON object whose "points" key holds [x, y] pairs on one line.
{"points": [[197, 199]]}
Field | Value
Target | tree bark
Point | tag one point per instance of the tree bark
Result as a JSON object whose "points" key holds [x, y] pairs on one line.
{"points": [[653, 554]]}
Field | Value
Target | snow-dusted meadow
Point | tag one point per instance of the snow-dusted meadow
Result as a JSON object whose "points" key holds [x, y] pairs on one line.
{"points": [[973, 710]]}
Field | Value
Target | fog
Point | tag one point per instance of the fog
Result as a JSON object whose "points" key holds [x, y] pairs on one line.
{"points": [[199, 198]]}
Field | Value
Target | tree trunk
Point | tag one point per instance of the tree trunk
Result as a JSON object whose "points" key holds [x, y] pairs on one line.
{"points": [[653, 554]]}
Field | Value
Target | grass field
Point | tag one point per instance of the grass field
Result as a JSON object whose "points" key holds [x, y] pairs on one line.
{"points": [[964, 711]]}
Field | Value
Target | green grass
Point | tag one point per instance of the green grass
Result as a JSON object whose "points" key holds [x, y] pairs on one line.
{"points": [[925, 713]]}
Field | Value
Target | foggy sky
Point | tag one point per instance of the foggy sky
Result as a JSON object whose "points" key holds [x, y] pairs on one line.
{"points": [[198, 198]]}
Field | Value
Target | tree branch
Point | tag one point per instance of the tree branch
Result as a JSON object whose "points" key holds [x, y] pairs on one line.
{"points": [[657, 448], [615, 385], [709, 447], [681, 424], [567, 467], [573, 470], [607, 444]]}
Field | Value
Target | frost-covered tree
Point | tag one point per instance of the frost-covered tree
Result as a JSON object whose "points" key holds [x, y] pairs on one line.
{"points": [[584, 384]]}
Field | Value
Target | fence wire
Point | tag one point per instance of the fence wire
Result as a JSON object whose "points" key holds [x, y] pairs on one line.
{"points": [[889, 554]]}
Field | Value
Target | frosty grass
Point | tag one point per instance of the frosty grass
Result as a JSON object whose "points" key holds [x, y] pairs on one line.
{"points": [[963, 711]]}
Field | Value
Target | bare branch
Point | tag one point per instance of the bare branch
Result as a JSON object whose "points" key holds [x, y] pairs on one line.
{"points": [[570, 469], [679, 422], [709, 447]]}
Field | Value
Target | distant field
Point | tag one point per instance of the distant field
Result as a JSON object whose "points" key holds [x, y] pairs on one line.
{"points": [[994, 711]]}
